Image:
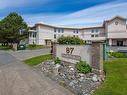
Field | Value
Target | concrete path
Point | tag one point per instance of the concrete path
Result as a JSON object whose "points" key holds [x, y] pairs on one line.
{"points": [[17, 78], [26, 54]]}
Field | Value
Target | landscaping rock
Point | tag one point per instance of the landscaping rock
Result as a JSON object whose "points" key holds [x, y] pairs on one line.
{"points": [[95, 78], [56, 69], [81, 79], [67, 76]]}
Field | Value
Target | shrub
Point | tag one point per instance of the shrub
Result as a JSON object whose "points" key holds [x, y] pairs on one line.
{"points": [[83, 67], [57, 61], [8, 47], [117, 55], [32, 45], [70, 40]]}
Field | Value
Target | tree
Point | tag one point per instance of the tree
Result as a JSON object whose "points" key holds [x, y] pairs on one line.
{"points": [[13, 29]]}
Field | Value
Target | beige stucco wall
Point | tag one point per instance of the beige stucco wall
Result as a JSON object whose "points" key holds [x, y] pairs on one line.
{"points": [[117, 31], [85, 34], [45, 33], [109, 31], [112, 27]]}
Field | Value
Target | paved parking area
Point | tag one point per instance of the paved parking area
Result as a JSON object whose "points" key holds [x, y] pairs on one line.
{"points": [[17, 78]]}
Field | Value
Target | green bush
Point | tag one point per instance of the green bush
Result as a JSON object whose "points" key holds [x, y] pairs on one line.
{"points": [[83, 67], [8, 47], [32, 45], [57, 61], [117, 55], [70, 40]]}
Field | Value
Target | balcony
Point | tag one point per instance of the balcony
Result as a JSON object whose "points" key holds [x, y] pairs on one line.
{"points": [[117, 34], [102, 34], [32, 30]]}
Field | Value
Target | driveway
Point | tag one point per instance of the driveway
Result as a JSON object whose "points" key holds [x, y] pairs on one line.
{"points": [[26, 54], [17, 78]]}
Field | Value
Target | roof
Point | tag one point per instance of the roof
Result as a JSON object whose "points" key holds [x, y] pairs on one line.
{"points": [[66, 27], [120, 17], [123, 18], [55, 26]]}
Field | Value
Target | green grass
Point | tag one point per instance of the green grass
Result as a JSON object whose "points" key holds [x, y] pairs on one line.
{"points": [[34, 47], [37, 60], [117, 55], [116, 78]]}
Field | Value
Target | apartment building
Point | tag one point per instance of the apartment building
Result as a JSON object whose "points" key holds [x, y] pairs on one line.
{"points": [[114, 31]]}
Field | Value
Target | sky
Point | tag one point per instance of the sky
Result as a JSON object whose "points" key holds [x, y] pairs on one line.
{"points": [[65, 12]]}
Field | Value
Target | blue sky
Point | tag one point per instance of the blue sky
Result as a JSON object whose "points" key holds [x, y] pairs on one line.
{"points": [[65, 12]]}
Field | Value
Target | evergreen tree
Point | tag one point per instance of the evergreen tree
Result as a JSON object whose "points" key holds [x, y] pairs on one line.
{"points": [[13, 29]]}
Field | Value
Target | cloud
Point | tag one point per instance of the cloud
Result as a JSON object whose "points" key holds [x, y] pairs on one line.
{"points": [[41, 18], [95, 14], [17, 3], [91, 16]]}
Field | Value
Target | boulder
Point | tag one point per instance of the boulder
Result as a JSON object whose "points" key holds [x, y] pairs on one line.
{"points": [[95, 78]]}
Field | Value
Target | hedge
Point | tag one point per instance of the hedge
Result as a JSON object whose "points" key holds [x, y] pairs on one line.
{"points": [[70, 40]]}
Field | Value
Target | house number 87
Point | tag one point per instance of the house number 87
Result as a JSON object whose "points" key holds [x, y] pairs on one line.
{"points": [[69, 50]]}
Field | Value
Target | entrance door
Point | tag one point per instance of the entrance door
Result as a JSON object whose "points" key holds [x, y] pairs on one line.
{"points": [[119, 43], [48, 42]]}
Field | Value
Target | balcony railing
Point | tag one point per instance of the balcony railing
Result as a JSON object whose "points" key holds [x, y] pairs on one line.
{"points": [[102, 34]]}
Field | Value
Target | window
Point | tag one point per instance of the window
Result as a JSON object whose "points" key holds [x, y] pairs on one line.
{"points": [[34, 34], [116, 23], [92, 30], [59, 35], [21, 31], [58, 30], [30, 34], [96, 30], [54, 36], [62, 35], [96, 35], [76, 31], [92, 35], [119, 43], [88, 41], [62, 30], [75, 35], [54, 29]]}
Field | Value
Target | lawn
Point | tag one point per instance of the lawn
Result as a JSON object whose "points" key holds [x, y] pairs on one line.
{"points": [[116, 78], [37, 60], [34, 47]]}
